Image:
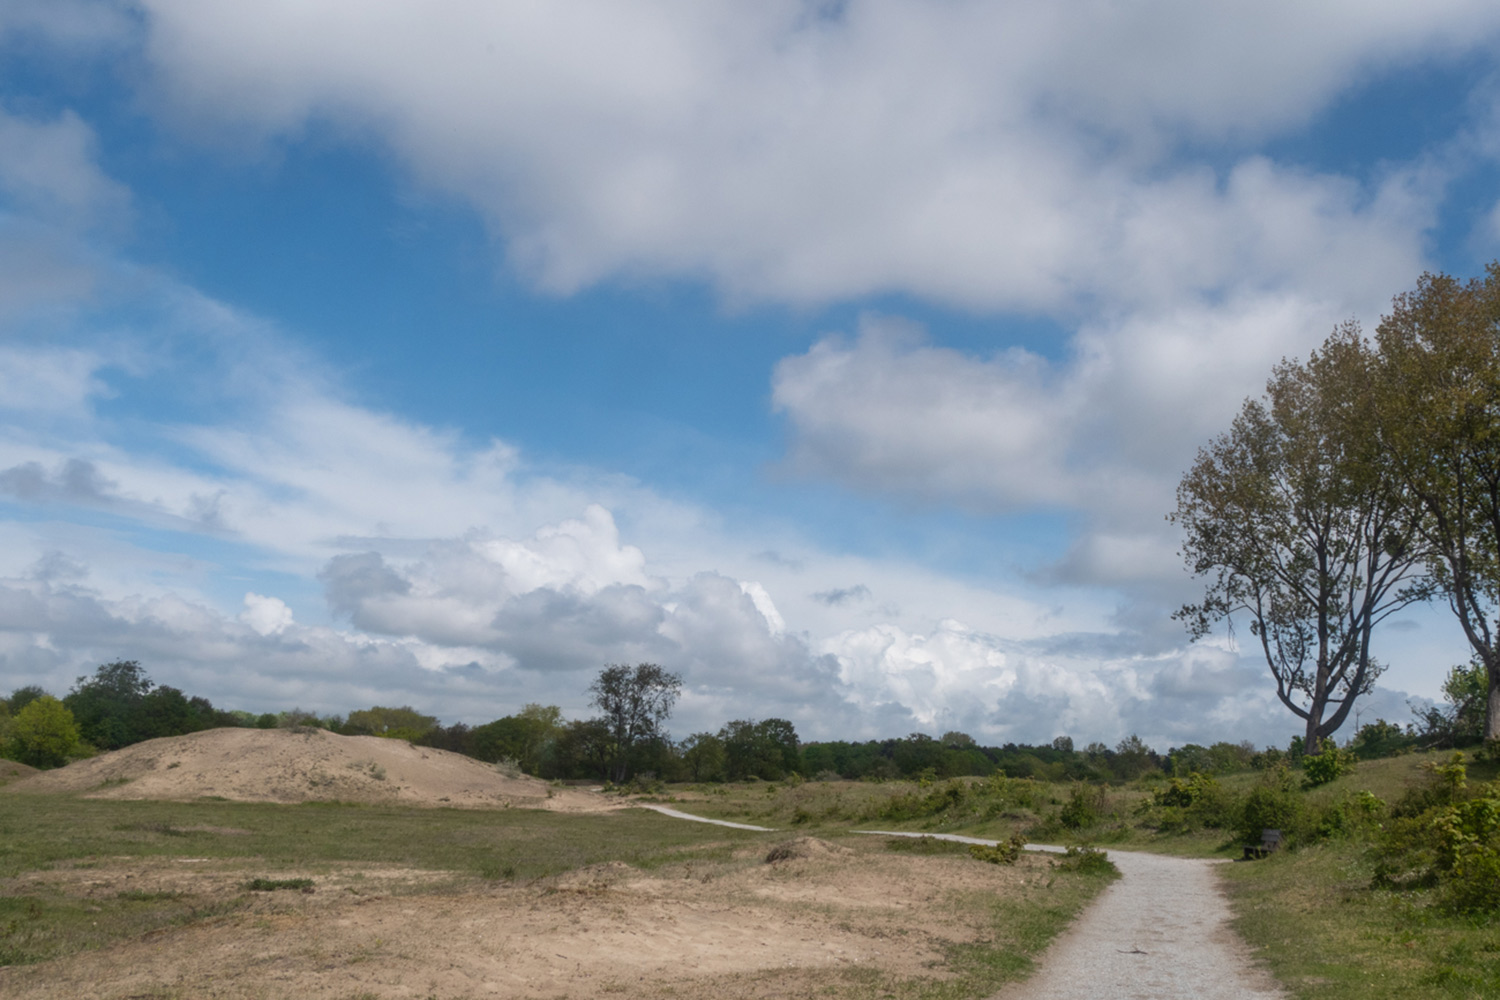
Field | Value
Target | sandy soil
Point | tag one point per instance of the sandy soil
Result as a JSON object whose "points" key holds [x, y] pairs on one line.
{"points": [[12, 771], [746, 928], [1161, 932], [278, 765]]}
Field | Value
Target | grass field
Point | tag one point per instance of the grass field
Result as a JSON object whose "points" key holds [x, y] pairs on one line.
{"points": [[78, 876], [1312, 912]]}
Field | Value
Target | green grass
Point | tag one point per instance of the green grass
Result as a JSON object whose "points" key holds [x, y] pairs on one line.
{"points": [[1327, 935], [51, 830]]}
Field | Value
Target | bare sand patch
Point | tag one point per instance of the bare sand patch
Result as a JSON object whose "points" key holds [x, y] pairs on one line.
{"points": [[735, 928], [307, 765]]}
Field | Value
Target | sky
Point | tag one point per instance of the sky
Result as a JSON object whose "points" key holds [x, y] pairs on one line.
{"points": [[842, 357]]}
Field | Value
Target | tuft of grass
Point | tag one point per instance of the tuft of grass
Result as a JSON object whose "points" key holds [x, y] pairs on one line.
{"points": [[273, 884]]}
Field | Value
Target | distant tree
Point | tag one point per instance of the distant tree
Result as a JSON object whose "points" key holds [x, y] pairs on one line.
{"points": [[23, 696], [1297, 520], [766, 749], [1461, 722], [586, 748], [703, 756], [43, 733], [528, 737], [108, 705], [954, 740], [635, 702], [1063, 744], [1133, 758], [404, 723], [457, 738]]}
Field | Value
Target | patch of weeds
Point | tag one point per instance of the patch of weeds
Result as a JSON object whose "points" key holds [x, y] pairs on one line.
{"points": [[497, 871], [1003, 853], [926, 845], [273, 884], [1087, 861]]}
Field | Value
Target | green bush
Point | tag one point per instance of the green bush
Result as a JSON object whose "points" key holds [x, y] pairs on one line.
{"points": [[1003, 853], [1270, 805], [1084, 808], [43, 734], [1330, 762], [1452, 843], [1088, 860]]}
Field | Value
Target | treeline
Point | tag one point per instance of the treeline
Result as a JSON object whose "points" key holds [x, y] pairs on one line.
{"points": [[119, 705]]}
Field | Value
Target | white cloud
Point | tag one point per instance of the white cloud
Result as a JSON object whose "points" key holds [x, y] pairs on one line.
{"points": [[266, 615], [980, 154], [49, 171]]}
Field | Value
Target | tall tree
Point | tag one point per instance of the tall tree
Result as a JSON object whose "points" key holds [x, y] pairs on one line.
{"points": [[1440, 423], [635, 702], [1296, 519]]}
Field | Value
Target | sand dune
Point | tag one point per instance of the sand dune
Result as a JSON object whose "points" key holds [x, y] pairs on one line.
{"points": [[306, 765]]}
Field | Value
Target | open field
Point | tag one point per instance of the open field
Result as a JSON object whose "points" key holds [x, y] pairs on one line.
{"points": [[115, 898]]}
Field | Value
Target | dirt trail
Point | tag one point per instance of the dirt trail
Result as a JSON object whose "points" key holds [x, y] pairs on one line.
{"points": [[1160, 933]]}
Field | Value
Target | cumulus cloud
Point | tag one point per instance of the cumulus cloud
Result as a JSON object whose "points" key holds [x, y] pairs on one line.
{"points": [[979, 154]]}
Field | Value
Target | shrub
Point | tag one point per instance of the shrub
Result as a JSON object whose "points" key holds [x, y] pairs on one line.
{"points": [[1088, 860], [43, 734], [1270, 805], [1452, 844], [1003, 853], [1330, 762], [1084, 808]]}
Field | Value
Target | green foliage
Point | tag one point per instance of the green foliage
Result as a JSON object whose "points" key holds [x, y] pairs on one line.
{"points": [[23, 696], [1461, 722], [1004, 852], [703, 756], [1087, 861], [767, 749], [1297, 520], [404, 723], [1192, 803], [1084, 808], [1381, 739], [43, 734], [1273, 804], [635, 702], [1446, 836], [1330, 762]]}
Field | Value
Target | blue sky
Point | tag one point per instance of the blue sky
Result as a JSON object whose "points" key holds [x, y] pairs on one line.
{"points": [[843, 358]]}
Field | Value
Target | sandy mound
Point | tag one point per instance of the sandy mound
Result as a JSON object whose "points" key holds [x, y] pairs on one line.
{"points": [[278, 765], [804, 847], [11, 770]]}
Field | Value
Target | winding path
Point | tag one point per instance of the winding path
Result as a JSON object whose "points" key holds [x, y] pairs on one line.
{"points": [[1161, 932]]}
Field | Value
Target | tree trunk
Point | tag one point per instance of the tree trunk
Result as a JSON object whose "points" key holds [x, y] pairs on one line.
{"points": [[1492, 706]]}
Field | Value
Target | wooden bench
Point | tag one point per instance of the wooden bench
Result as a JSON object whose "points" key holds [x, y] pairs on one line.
{"points": [[1270, 843]]}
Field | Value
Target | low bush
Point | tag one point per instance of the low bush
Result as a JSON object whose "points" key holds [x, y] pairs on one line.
{"points": [[1003, 853], [1330, 762], [1084, 808], [1273, 804], [1088, 860], [1445, 835]]}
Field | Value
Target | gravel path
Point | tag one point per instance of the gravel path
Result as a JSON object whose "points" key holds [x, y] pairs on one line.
{"points": [[704, 819], [1159, 933]]}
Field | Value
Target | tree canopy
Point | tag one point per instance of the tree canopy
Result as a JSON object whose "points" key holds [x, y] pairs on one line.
{"points": [[1440, 428], [1297, 520], [635, 701]]}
